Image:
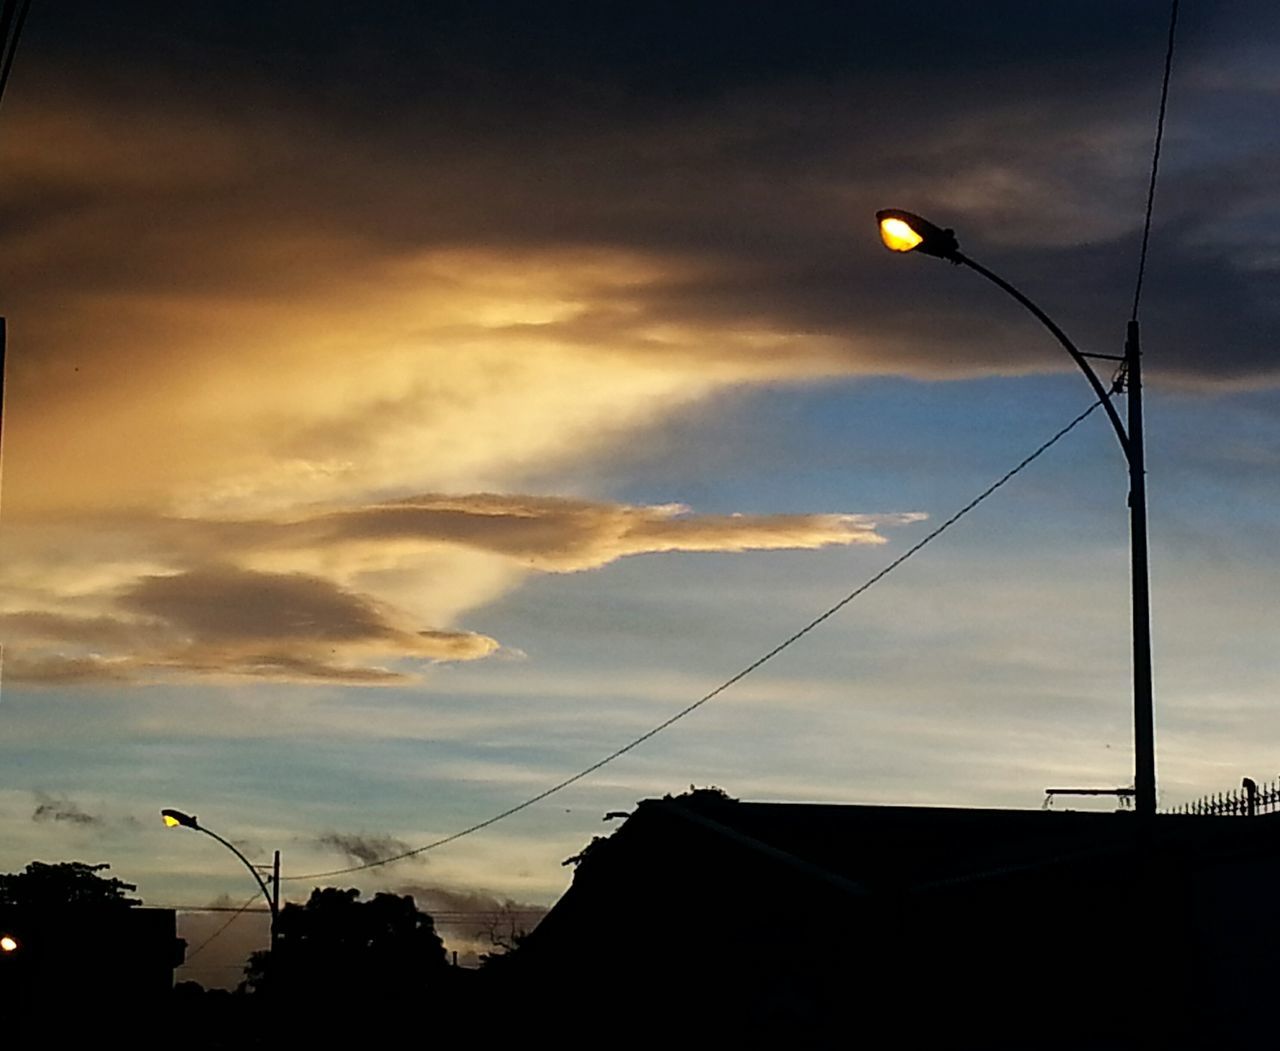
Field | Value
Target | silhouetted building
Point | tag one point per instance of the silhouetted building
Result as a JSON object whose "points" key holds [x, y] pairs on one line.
{"points": [[82, 971], [706, 919]]}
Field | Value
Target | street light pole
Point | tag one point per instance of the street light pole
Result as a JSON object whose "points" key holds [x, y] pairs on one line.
{"points": [[174, 818], [905, 232], [1144, 719]]}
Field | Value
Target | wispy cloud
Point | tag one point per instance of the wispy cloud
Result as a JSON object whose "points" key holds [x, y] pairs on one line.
{"points": [[550, 534], [63, 810], [362, 847], [215, 607]]}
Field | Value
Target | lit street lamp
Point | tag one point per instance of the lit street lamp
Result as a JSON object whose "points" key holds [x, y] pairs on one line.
{"points": [[175, 818], [905, 232]]}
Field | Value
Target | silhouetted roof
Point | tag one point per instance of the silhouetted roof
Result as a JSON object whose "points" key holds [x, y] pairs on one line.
{"points": [[855, 851], [799, 924]]}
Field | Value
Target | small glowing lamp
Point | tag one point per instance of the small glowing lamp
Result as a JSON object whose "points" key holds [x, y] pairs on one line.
{"points": [[173, 818], [897, 235], [8, 943], [907, 232]]}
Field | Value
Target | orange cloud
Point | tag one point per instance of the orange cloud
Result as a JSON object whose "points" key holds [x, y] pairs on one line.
{"points": [[227, 597], [219, 620]]}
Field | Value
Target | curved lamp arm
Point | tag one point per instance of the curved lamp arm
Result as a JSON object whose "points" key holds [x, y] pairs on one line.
{"points": [[266, 893], [177, 817], [1103, 394]]}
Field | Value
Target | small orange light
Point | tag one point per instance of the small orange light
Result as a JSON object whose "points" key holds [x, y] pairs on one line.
{"points": [[170, 821], [8, 943]]}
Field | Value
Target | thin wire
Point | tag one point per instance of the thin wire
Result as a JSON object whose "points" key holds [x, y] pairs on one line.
{"points": [[230, 920], [1155, 158], [753, 666], [440, 915], [10, 43], [214, 908]]}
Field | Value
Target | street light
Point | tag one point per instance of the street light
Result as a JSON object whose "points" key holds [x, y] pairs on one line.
{"points": [[176, 818], [906, 232]]}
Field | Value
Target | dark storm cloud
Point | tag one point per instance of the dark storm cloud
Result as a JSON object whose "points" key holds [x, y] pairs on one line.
{"points": [[547, 57], [752, 141]]}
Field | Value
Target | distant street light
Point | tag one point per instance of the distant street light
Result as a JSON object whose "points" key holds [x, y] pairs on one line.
{"points": [[906, 232], [8, 943], [176, 818]]}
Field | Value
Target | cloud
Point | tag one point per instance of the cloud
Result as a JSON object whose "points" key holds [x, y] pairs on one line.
{"points": [[551, 534], [221, 620], [256, 364], [62, 810], [213, 607], [331, 305], [234, 609], [55, 669], [328, 308], [362, 847]]}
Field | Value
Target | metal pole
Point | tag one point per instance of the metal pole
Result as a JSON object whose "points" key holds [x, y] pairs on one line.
{"points": [[1131, 442], [1144, 736], [960, 259], [3, 341], [272, 902], [275, 903]]}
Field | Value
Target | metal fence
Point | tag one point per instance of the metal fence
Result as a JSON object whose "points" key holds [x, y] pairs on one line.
{"points": [[1246, 801]]}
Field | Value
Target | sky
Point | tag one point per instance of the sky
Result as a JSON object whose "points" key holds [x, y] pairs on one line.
{"points": [[409, 405]]}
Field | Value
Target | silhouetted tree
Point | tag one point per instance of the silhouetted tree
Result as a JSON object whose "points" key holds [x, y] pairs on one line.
{"points": [[337, 945], [75, 883], [506, 936]]}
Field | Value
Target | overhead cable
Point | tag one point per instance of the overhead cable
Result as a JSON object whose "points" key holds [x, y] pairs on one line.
{"points": [[235, 915], [12, 17], [1155, 158]]}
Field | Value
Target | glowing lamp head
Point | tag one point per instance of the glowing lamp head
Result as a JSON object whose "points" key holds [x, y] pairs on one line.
{"points": [[8, 943], [907, 232], [897, 235], [173, 818]]}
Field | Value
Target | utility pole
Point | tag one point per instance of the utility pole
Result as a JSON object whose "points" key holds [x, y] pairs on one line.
{"points": [[1144, 733], [275, 903]]}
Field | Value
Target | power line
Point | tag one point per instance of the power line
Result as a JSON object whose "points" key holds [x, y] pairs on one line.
{"points": [[1155, 158], [188, 957], [213, 908], [442, 916], [732, 680], [12, 18]]}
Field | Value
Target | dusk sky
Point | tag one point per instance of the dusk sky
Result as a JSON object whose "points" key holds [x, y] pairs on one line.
{"points": [[410, 404]]}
